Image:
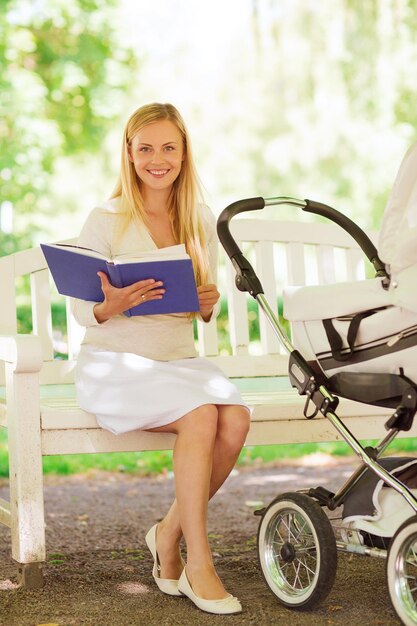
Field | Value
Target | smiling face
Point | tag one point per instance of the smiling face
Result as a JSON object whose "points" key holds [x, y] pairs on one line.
{"points": [[157, 153]]}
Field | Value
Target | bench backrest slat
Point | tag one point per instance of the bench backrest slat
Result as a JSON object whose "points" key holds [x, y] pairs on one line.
{"points": [[355, 264], [237, 314], [41, 311], [8, 314], [208, 343], [265, 269], [296, 271], [282, 253], [326, 265]]}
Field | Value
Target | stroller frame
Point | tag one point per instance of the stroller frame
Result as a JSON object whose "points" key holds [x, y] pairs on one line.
{"points": [[303, 509]]}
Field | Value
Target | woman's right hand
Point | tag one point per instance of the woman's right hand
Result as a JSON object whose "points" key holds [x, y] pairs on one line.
{"points": [[116, 299]]}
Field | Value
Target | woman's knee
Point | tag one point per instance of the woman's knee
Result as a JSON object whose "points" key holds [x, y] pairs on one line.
{"points": [[202, 421], [234, 424], [243, 424]]}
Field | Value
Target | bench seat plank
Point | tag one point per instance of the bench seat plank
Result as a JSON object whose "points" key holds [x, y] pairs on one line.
{"points": [[62, 414], [270, 399]]}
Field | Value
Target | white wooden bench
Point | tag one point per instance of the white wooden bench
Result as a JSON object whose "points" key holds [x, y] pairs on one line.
{"points": [[37, 404]]}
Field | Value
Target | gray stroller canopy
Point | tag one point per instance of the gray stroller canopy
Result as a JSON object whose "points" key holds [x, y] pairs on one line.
{"points": [[385, 338], [398, 234]]}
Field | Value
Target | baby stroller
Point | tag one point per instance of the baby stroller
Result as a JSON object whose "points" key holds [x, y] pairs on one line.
{"points": [[358, 342]]}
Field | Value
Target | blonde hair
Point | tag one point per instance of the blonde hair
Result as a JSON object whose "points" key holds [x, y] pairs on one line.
{"points": [[186, 193]]}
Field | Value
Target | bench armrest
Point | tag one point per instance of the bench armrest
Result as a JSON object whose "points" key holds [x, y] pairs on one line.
{"points": [[23, 352]]}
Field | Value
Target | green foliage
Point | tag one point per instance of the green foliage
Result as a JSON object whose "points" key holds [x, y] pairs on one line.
{"points": [[334, 122], [10, 243], [141, 463], [63, 76]]}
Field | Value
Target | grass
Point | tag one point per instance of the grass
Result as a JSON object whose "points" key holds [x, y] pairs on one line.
{"points": [[151, 463]]}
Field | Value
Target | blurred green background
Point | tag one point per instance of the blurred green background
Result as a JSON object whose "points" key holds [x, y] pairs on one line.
{"points": [[290, 97], [294, 97]]}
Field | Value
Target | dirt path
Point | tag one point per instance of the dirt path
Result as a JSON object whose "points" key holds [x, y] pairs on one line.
{"points": [[99, 571]]}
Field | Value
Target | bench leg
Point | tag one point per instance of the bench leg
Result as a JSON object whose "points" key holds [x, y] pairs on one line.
{"points": [[30, 575], [26, 479]]}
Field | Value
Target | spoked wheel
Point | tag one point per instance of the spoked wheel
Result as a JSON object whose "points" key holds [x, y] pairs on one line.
{"points": [[402, 571], [297, 550]]}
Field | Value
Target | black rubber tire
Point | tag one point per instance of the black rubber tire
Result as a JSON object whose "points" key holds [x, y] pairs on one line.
{"points": [[301, 572]]}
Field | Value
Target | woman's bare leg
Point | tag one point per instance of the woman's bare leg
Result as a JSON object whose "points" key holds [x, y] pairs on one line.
{"points": [[232, 428], [193, 460]]}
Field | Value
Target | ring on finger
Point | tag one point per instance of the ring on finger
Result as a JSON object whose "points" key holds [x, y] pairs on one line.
{"points": [[143, 296]]}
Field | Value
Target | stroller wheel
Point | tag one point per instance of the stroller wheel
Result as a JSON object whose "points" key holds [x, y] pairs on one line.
{"points": [[402, 571], [297, 550]]}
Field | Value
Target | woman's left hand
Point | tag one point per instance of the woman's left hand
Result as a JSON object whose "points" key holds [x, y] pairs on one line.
{"points": [[207, 297]]}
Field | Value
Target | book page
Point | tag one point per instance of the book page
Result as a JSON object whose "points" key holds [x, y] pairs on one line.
{"points": [[78, 250], [169, 253]]}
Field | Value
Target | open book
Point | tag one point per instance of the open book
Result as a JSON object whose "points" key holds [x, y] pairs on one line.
{"points": [[74, 270]]}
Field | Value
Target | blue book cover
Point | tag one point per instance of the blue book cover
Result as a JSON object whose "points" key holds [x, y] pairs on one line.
{"points": [[74, 270]]}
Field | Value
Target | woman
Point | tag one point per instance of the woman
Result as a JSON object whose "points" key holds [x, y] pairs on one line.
{"points": [[143, 371]]}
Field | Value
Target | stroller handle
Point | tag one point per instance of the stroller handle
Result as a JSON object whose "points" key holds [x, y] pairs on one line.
{"points": [[250, 204], [352, 229], [310, 206]]}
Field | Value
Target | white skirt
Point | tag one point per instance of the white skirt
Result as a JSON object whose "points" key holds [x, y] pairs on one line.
{"points": [[127, 392]]}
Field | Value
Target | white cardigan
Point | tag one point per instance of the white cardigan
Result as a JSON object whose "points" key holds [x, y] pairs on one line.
{"points": [[158, 337]]}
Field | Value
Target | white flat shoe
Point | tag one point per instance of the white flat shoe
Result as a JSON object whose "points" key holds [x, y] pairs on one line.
{"points": [[166, 585], [224, 606]]}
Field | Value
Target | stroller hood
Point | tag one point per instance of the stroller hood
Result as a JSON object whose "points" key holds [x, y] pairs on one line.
{"points": [[398, 235]]}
